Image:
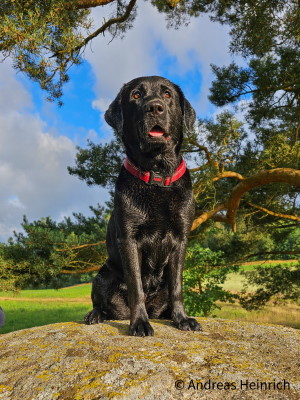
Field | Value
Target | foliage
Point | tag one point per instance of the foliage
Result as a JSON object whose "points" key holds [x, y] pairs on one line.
{"points": [[45, 38], [236, 245], [203, 276], [266, 34], [99, 164], [291, 240], [47, 251], [279, 280], [39, 36]]}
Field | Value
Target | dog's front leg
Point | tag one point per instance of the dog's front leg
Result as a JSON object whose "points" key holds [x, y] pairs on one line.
{"points": [[139, 323], [178, 314]]}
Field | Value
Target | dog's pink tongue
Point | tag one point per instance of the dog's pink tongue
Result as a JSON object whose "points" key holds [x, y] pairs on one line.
{"points": [[155, 133]]}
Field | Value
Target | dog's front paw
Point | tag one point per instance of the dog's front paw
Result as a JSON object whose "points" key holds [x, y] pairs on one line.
{"points": [[188, 324], [93, 317], [141, 328]]}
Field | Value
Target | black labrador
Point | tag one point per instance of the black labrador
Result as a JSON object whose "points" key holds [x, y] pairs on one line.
{"points": [[153, 210]]}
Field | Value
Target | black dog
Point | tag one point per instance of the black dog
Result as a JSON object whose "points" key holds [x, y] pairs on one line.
{"points": [[153, 210]]}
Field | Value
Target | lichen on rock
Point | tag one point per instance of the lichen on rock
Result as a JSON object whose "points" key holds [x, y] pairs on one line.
{"points": [[73, 361]]}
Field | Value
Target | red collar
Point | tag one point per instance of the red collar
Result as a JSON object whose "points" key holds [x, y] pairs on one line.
{"points": [[152, 178]]}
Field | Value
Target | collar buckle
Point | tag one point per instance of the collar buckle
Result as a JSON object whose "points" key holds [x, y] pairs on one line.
{"points": [[158, 180]]}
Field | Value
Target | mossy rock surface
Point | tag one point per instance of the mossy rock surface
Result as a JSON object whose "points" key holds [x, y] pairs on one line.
{"points": [[228, 360]]}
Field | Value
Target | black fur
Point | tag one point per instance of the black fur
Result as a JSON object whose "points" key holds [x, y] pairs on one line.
{"points": [[148, 229]]}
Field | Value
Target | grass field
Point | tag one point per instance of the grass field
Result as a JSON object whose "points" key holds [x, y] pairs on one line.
{"points": [[72, 293], [287, 314], [29, 308]]}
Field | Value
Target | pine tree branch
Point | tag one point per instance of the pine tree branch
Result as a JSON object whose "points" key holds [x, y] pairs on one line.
{"points": [[201, 148], [279, 215], [289, 87], [284, 175], [107, 24], [265, 177], [262, 253], [228, 174], [97, 32], [81, 246], [208, 214], [83, 4], [172, 3]]}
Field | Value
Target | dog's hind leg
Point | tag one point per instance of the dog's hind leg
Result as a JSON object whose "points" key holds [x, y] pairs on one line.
{"points": [[97, 314], [109, 299]]}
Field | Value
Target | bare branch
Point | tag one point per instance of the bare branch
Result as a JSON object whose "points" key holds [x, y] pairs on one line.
{"points": [[207, 215], [201, 148], [229, 174], [279, 215], [81, 271], [82, 4], [285, 175], [107, 24], [81, 246]]}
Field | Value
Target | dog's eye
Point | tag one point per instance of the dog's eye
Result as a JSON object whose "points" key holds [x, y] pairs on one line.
{"points": [[167, 94], [137, 94]]}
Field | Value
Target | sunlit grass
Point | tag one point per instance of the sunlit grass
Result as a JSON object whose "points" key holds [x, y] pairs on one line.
{"points": [[287, 314], [78, 291], [27, 314]]}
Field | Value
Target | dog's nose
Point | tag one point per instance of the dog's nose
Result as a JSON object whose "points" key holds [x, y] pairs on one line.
{"points": [[155, 107]]}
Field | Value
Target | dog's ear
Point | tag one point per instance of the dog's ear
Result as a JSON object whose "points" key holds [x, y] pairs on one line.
{"points": [[189, 114], [114, 115]]}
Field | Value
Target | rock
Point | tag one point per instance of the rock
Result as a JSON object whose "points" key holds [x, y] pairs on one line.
{"points": [[228, 360]]}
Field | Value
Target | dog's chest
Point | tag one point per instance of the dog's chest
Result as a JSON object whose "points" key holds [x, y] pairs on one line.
{"points": [[156, 214]]}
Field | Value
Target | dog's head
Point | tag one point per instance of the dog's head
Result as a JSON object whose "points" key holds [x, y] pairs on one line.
{"points": [[150, 114]]}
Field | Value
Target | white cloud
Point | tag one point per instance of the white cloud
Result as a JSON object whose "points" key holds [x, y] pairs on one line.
{"points": [[33, 164], [101, 104], [145, 47], [13, 94]]}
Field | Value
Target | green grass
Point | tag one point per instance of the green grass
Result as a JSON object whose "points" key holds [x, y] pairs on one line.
{"points": [[27, 314], [45, 306], [235, 281], [78, 291], [267, 264], [287, 314]]}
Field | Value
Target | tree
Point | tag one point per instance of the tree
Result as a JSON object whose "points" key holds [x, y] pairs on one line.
{"points": [[278, 280], [266, 34], [48, 254], [203, 276]]}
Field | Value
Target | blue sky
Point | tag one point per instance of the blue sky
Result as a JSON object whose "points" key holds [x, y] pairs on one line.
{"points": [[38, 139]]}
